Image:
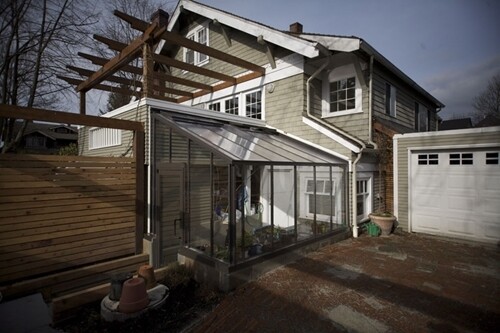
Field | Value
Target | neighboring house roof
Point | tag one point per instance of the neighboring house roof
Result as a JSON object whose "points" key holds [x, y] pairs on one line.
{"points": [[455, 124], [48, 130], [489, 120], [306, 44]]}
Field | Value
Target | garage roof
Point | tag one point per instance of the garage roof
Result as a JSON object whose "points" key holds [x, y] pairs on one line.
{"points": [[239, 143]]}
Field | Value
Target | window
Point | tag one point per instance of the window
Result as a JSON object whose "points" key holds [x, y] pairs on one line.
{"points": [[390, 100], [231, 105], [35, 142], [461, 159], [342, 94], [246, 104], [323, 203], [421, 118], [428, 159], [104, 137], [200, 35], [362, 196], [253, 105], [492, 158], [214, 106]]}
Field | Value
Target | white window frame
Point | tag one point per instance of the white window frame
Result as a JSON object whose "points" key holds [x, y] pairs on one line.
{"points": [[199, 59], [390, 105], [367, 195], [320, 217], [336, 74], [104, 137], [242, 104]]}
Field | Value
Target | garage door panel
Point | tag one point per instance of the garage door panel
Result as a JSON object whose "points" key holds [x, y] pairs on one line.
{"points": [[428, 222], [455, 198]]}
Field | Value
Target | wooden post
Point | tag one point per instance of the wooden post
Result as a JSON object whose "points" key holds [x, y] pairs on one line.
{"points": [[147, 71], [83, 102], [139, 190]]}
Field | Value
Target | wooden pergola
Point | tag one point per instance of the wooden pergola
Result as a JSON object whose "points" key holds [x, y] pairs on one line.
{"points": [[154, 82]]}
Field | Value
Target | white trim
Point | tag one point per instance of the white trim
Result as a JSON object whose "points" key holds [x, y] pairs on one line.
{"points": [[331, 135], [492, 129], [295, 44], [453, 147], [337, 74]]}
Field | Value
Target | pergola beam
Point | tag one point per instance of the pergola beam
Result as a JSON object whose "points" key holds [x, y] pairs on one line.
{"points": [[102, 61], [111, 43], [192, 68], [190, 44], [127, 55], [115, 79]]}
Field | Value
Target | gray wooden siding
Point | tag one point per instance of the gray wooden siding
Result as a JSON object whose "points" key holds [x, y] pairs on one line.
{"points": [[405, 100], [127, 140], [286, 106], [449, 140]]}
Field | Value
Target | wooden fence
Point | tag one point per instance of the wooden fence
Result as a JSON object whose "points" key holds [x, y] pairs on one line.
{"points": [[60, 212]]}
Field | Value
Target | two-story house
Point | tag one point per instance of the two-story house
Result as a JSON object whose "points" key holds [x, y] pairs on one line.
{"points": [[291, 129]]}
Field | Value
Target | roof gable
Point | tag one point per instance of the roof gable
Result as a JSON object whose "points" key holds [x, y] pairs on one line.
{"points": [[299, 45]]}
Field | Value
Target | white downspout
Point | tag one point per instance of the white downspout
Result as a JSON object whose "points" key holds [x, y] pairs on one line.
{"points": [[361, 143]]}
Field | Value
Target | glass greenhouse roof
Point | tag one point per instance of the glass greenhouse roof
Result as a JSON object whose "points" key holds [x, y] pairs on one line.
{"points": [[249, 144]]}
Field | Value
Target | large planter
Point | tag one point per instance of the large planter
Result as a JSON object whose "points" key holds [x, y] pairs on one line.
{"points": [[384, 221]]}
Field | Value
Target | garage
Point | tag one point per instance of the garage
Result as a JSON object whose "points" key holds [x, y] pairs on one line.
{"points": [[456, 193], [448, 183]]}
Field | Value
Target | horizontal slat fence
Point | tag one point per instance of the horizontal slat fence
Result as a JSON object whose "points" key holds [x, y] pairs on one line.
{"points": [[63, 212]]}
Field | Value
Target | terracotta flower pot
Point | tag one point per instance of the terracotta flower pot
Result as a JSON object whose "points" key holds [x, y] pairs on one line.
{"points": [[147, 272], [134, 296], [385, 223]]}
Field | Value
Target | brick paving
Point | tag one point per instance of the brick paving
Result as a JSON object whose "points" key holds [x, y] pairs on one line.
{"points": [[401, 283]]}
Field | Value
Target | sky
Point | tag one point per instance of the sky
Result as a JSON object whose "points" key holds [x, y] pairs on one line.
{"points": [[451, 48]]}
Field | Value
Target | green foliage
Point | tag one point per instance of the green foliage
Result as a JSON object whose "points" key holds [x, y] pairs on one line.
{"points": [[69, 150]]}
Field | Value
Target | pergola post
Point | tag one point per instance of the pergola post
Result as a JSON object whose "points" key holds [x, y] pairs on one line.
{"points": [[147, 71], [83, 102]]}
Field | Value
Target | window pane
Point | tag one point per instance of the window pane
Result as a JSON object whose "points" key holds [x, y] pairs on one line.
{"points": [[320, 184], [328, 187], [253, 105], [351, 104], [351, 82], [350, 93], [342, 106], [310, 186]]}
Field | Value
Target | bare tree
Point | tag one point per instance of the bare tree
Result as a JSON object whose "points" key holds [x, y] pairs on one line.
{"points": [[488, 102], [37, 40]]}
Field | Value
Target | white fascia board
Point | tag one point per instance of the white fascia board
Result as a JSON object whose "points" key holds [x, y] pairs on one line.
{"points": [[184, 109], [492, 129], [334, 43], [332, 135], [127, 107], [292, 43], [286, 67], [326, 150], [192, 111]]}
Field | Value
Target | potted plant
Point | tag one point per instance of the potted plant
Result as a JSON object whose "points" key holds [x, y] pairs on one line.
{"points": [[384, 220]]}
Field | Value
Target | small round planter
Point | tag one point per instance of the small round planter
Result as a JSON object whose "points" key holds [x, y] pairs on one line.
{"points": [[385, 222], [134, 296]]}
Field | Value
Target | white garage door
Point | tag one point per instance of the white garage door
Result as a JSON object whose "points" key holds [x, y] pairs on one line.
{"points": [[456, 193]]}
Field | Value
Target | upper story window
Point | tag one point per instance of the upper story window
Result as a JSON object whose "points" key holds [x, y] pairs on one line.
{"points": [[390, 100], [199, 35], [246, 104], [421, 118], [342, 92]]}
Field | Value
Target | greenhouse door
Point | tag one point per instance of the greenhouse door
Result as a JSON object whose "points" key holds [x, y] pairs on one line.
{"points": [[170, 203]]}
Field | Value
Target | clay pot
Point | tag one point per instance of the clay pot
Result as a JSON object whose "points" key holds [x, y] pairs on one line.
{"points": [[385, 223], [134, 296], [147, 272]]}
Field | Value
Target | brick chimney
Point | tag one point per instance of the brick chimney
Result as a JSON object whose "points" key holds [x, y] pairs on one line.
{"points": [[161, 17], [296, 28]]}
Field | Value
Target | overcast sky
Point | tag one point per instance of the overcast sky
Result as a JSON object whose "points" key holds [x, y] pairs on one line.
{"points": [[449, 47]]}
